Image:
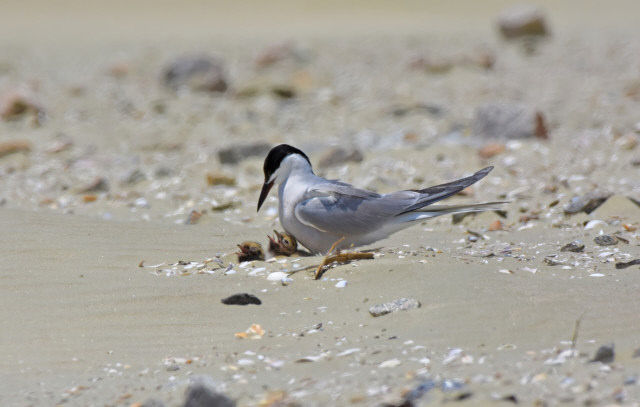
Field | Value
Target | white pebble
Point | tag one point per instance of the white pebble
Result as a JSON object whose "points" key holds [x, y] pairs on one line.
{"points": [[341, 284], [389, 363], [277, 276]]}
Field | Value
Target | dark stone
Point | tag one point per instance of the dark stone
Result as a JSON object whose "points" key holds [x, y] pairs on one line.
{"points": [[605, 240], [199, 395], [604, 354], [624, 265], [199, 73], [241, 299], [236, 153], [586, 203], [576, 247], [522, 20]]}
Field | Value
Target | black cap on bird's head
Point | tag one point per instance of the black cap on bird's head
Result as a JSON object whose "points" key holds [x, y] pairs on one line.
{"points": [[271, 165]]}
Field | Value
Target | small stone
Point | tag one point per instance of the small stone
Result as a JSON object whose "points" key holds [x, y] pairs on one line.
{"points": [[193, 218], [624, 265], [502, 120], [220, 179], [604, 354], [277, 276], [576, 247], [15, 146], [586, 203], [241, 299], [522, 20], [605, 240], [198, 73], [236, 153], [491, 149], [98, 185], [389, 363], [16, 104], [401, 304], [338, 156], [134, 177], [200, 395]]}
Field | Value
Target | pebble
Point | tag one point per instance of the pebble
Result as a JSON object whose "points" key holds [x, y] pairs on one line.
{"points": [[277, 276], [522, 20], [401, 304], [198, 73], [16, 104], [15, 146], [341, 284], [201, 395], [505, 120], [586, 203], [239, 152], [605, 240], [389, 363], [624, 265], [576, 247], [604, 354], [241, 299]]}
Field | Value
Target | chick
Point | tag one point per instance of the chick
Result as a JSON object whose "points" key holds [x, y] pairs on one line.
{"points": [[285, 244], [250, 251]]}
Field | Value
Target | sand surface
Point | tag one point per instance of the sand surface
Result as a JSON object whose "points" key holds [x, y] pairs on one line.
{"points": [[84, 324]]}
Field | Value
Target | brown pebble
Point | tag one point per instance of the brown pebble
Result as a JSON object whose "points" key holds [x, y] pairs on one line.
{"points": [[220, 179], [495, 225], [541, 128], [491, 150], [16, 146], [193, 218], [15, 104], [89, 198]]}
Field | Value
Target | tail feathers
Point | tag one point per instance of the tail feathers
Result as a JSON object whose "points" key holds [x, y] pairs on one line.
{"points": [[432, 211], [439, 192]]}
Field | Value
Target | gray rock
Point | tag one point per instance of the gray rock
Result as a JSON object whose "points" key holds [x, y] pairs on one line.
{"points": [[503, 120], [153, 403], [401, 304], [236, 153], [133, 177], [605, 240], [604, 354], [201, 395], [339, 155], [586, 203], [522, 20], [576, 247], [199, 73]]}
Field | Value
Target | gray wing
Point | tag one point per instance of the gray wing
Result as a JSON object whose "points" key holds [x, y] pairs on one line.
{"points": [[341, 209]]}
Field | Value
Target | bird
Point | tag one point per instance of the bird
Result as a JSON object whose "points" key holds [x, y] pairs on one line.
{"points": [[324, 215]]}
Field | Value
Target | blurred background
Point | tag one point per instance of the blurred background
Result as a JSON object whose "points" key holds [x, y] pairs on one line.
{"points": [[149, 104]]}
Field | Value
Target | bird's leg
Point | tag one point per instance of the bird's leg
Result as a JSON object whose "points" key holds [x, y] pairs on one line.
{"points": [[328, 259]]}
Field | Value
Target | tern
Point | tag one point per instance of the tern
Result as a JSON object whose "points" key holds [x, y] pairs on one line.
{"points": [[325, 214]]}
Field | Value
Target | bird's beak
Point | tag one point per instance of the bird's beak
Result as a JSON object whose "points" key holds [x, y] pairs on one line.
{"points": [[266, 187]]}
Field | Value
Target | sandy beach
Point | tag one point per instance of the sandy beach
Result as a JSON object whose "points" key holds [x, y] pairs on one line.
{"points": [[124, 194]]}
